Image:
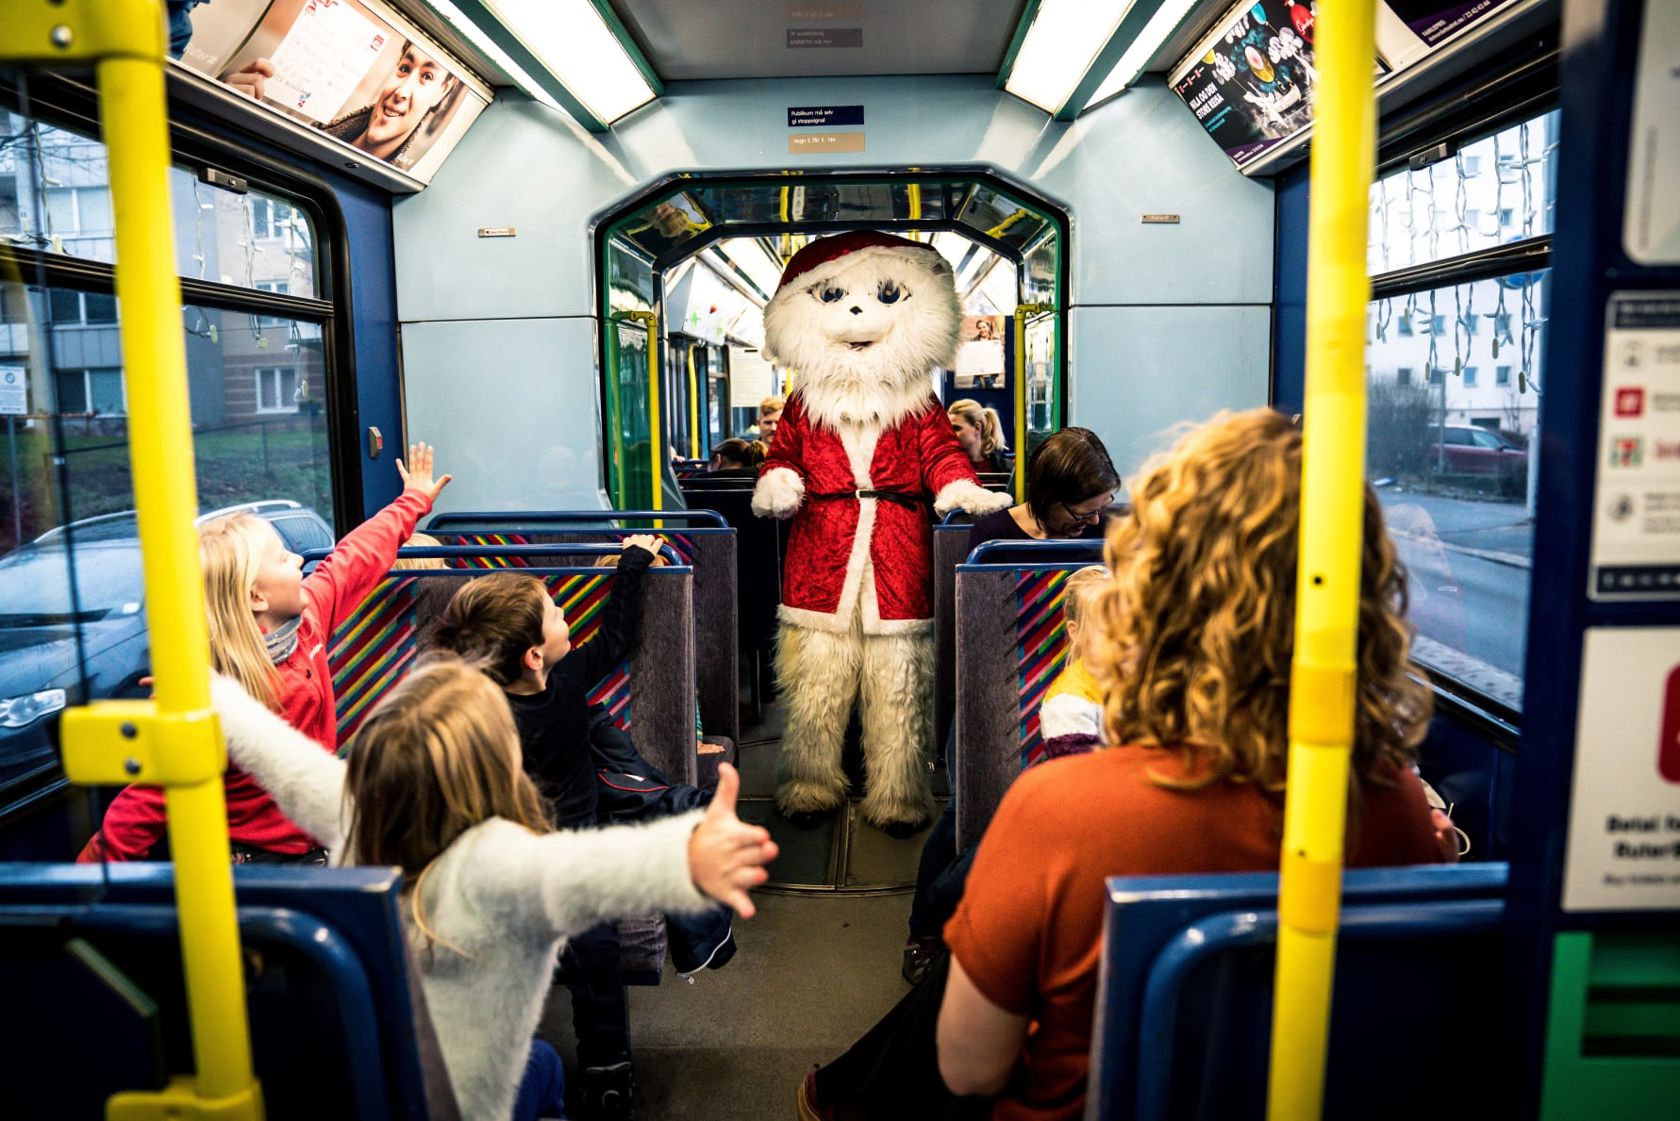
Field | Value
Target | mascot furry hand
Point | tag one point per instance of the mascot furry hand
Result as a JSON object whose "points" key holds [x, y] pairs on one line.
{"points": [[864, 455]]}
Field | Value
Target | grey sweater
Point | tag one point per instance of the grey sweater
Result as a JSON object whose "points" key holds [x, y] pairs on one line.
{"points": [[505, 895]]}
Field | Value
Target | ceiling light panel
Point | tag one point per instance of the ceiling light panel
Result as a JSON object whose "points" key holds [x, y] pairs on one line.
{"points": [[1060, 46], [575, 43], [1165, 21]]}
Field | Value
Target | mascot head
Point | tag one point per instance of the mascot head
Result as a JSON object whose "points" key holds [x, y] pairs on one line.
{"points": [[863, 318]]}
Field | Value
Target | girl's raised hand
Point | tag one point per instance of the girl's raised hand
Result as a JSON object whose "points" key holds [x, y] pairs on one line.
{"points": [[417, 472], [726, 856]]}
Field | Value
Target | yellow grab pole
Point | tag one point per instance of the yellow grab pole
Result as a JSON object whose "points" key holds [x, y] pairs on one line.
{"points": [[1323, 682], [693, 405], [174, 740], [1023, 312]]}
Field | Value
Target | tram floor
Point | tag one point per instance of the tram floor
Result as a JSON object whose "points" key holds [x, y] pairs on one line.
{"points": [[814, 971]]}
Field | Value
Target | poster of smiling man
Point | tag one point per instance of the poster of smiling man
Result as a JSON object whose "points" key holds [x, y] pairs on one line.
{"points": [[351, 69]]}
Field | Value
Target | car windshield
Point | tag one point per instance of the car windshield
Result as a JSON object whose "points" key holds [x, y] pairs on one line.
{"points": [[35, 583]]}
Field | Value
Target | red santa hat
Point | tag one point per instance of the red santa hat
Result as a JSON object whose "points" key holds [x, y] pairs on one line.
{"points": [[827, 256]]}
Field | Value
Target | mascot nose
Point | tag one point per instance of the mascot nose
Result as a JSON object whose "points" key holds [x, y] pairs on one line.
{"points": [[857, 311]]}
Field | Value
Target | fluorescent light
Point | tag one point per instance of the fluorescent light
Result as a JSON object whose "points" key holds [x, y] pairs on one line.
{"points": [[476, 36], [1060, 46], [578, 47], [1165, 21]]}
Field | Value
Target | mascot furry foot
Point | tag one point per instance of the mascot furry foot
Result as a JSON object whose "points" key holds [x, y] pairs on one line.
{"points": [[863, 458]]}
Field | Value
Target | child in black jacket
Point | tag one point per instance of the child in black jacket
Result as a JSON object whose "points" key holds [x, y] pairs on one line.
{"points": [[508, 621]]}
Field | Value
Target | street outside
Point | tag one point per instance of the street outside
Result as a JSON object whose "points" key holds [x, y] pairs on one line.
{"points": [[1469, 561]]}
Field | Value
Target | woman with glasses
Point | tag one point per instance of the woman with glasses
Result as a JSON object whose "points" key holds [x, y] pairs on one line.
{"points": [[1070, 483]]}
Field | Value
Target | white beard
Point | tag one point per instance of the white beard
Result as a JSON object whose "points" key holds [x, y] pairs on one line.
{"points": [[874, 388]]}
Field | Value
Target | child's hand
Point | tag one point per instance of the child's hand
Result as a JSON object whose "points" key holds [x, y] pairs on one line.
{"points": [[417, 474], [641, 541], [725, 855]]}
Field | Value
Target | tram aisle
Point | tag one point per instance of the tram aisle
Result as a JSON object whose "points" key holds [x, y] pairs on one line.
{"points": [[814, 971]]}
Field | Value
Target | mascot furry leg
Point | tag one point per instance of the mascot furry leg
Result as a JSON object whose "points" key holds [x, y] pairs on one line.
{"points": [[890, 676]]}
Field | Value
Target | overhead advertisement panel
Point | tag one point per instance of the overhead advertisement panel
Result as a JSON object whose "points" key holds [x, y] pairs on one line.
{"points": [[1250, 82], [352, 69]]}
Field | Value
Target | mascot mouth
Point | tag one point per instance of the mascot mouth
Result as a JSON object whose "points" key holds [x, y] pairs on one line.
{"points": [[860, 346]]}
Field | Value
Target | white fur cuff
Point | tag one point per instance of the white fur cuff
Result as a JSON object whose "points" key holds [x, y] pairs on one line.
{"points": [[971, 497], [778, 493]]}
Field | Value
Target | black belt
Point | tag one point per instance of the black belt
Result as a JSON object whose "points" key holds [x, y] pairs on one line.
{"points": [[910, 498]]}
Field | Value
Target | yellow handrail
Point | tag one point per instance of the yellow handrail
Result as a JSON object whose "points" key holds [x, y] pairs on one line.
{"points": [[1023, 312], [1323, 679], [174, 740], [693, 405]]}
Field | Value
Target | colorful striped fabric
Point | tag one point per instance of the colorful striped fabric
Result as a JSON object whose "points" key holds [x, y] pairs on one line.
{"points": [[1040, 649], [680, 544], [374, 647], [370, 651], [614, 693]]}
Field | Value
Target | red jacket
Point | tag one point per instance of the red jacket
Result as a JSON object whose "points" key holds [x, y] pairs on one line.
{"points": [[135, 820], [835, 533]]}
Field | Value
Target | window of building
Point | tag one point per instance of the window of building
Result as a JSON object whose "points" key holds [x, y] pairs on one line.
{"points": [[276, 389], [258, 383], [1452, 463], [1403, 376]]}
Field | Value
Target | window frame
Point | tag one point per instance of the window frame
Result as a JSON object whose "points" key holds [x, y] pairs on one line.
{"points": [[1529, 92], [70, 104]]}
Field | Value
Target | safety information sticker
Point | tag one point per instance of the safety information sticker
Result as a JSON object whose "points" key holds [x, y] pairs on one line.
{"points": [[1636, 503], [1624, 810]]}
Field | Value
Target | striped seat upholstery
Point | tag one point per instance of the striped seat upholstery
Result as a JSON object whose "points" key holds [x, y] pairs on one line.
{"points": [[375, 646], [1040, 649]]}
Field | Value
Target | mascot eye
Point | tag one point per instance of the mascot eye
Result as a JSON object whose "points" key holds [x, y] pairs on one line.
{"points": [[831, 295], [889, 292]]}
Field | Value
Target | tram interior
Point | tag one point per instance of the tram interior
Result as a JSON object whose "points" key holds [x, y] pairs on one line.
{"points": [[562, 288]]}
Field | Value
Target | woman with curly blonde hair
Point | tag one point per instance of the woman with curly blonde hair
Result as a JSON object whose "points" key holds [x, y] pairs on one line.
{"points": [[1196, 638]]}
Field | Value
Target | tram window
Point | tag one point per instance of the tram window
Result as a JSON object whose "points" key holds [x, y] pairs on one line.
{"points": [[246, 239], [1494, 190]]}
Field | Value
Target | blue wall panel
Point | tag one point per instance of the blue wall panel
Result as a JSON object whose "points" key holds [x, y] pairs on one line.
{"points": [[367, 215], [515, 433]]}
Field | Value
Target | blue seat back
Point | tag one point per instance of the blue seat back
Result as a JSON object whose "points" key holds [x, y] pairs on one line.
{"points": [[1010, 646], [336, 1011], [1184, 995]]}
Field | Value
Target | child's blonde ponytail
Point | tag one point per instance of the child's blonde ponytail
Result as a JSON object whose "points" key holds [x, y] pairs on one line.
{"points": [[230, 548]]}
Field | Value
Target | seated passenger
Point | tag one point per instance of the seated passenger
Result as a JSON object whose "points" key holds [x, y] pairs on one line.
{"points": [[268, 630], [490, 890], [769, 416], [420, 564], [1194, 644], [980, 433], [1070, 716], [510, 622], [1070, 485], [736, 456]]}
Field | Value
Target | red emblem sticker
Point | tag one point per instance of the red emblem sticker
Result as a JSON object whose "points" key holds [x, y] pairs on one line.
{"points": [[1630, 401], [1668, 748]]}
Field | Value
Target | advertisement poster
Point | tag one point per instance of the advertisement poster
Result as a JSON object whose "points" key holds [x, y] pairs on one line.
{"points": [[1436, 21], [1623, 852], [1251, 87], [1651, 230], [980, 360], [343, 67]]}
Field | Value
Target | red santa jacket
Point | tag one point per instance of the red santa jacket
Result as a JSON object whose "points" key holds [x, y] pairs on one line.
{"points": [[837, 536], [135, 820]]}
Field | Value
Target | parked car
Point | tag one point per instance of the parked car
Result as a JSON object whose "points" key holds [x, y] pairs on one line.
{"points": [[1466, 449], [45, 634]]}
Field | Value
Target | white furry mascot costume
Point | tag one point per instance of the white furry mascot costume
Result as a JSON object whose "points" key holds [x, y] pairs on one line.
{"points": [[862, 458]]}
